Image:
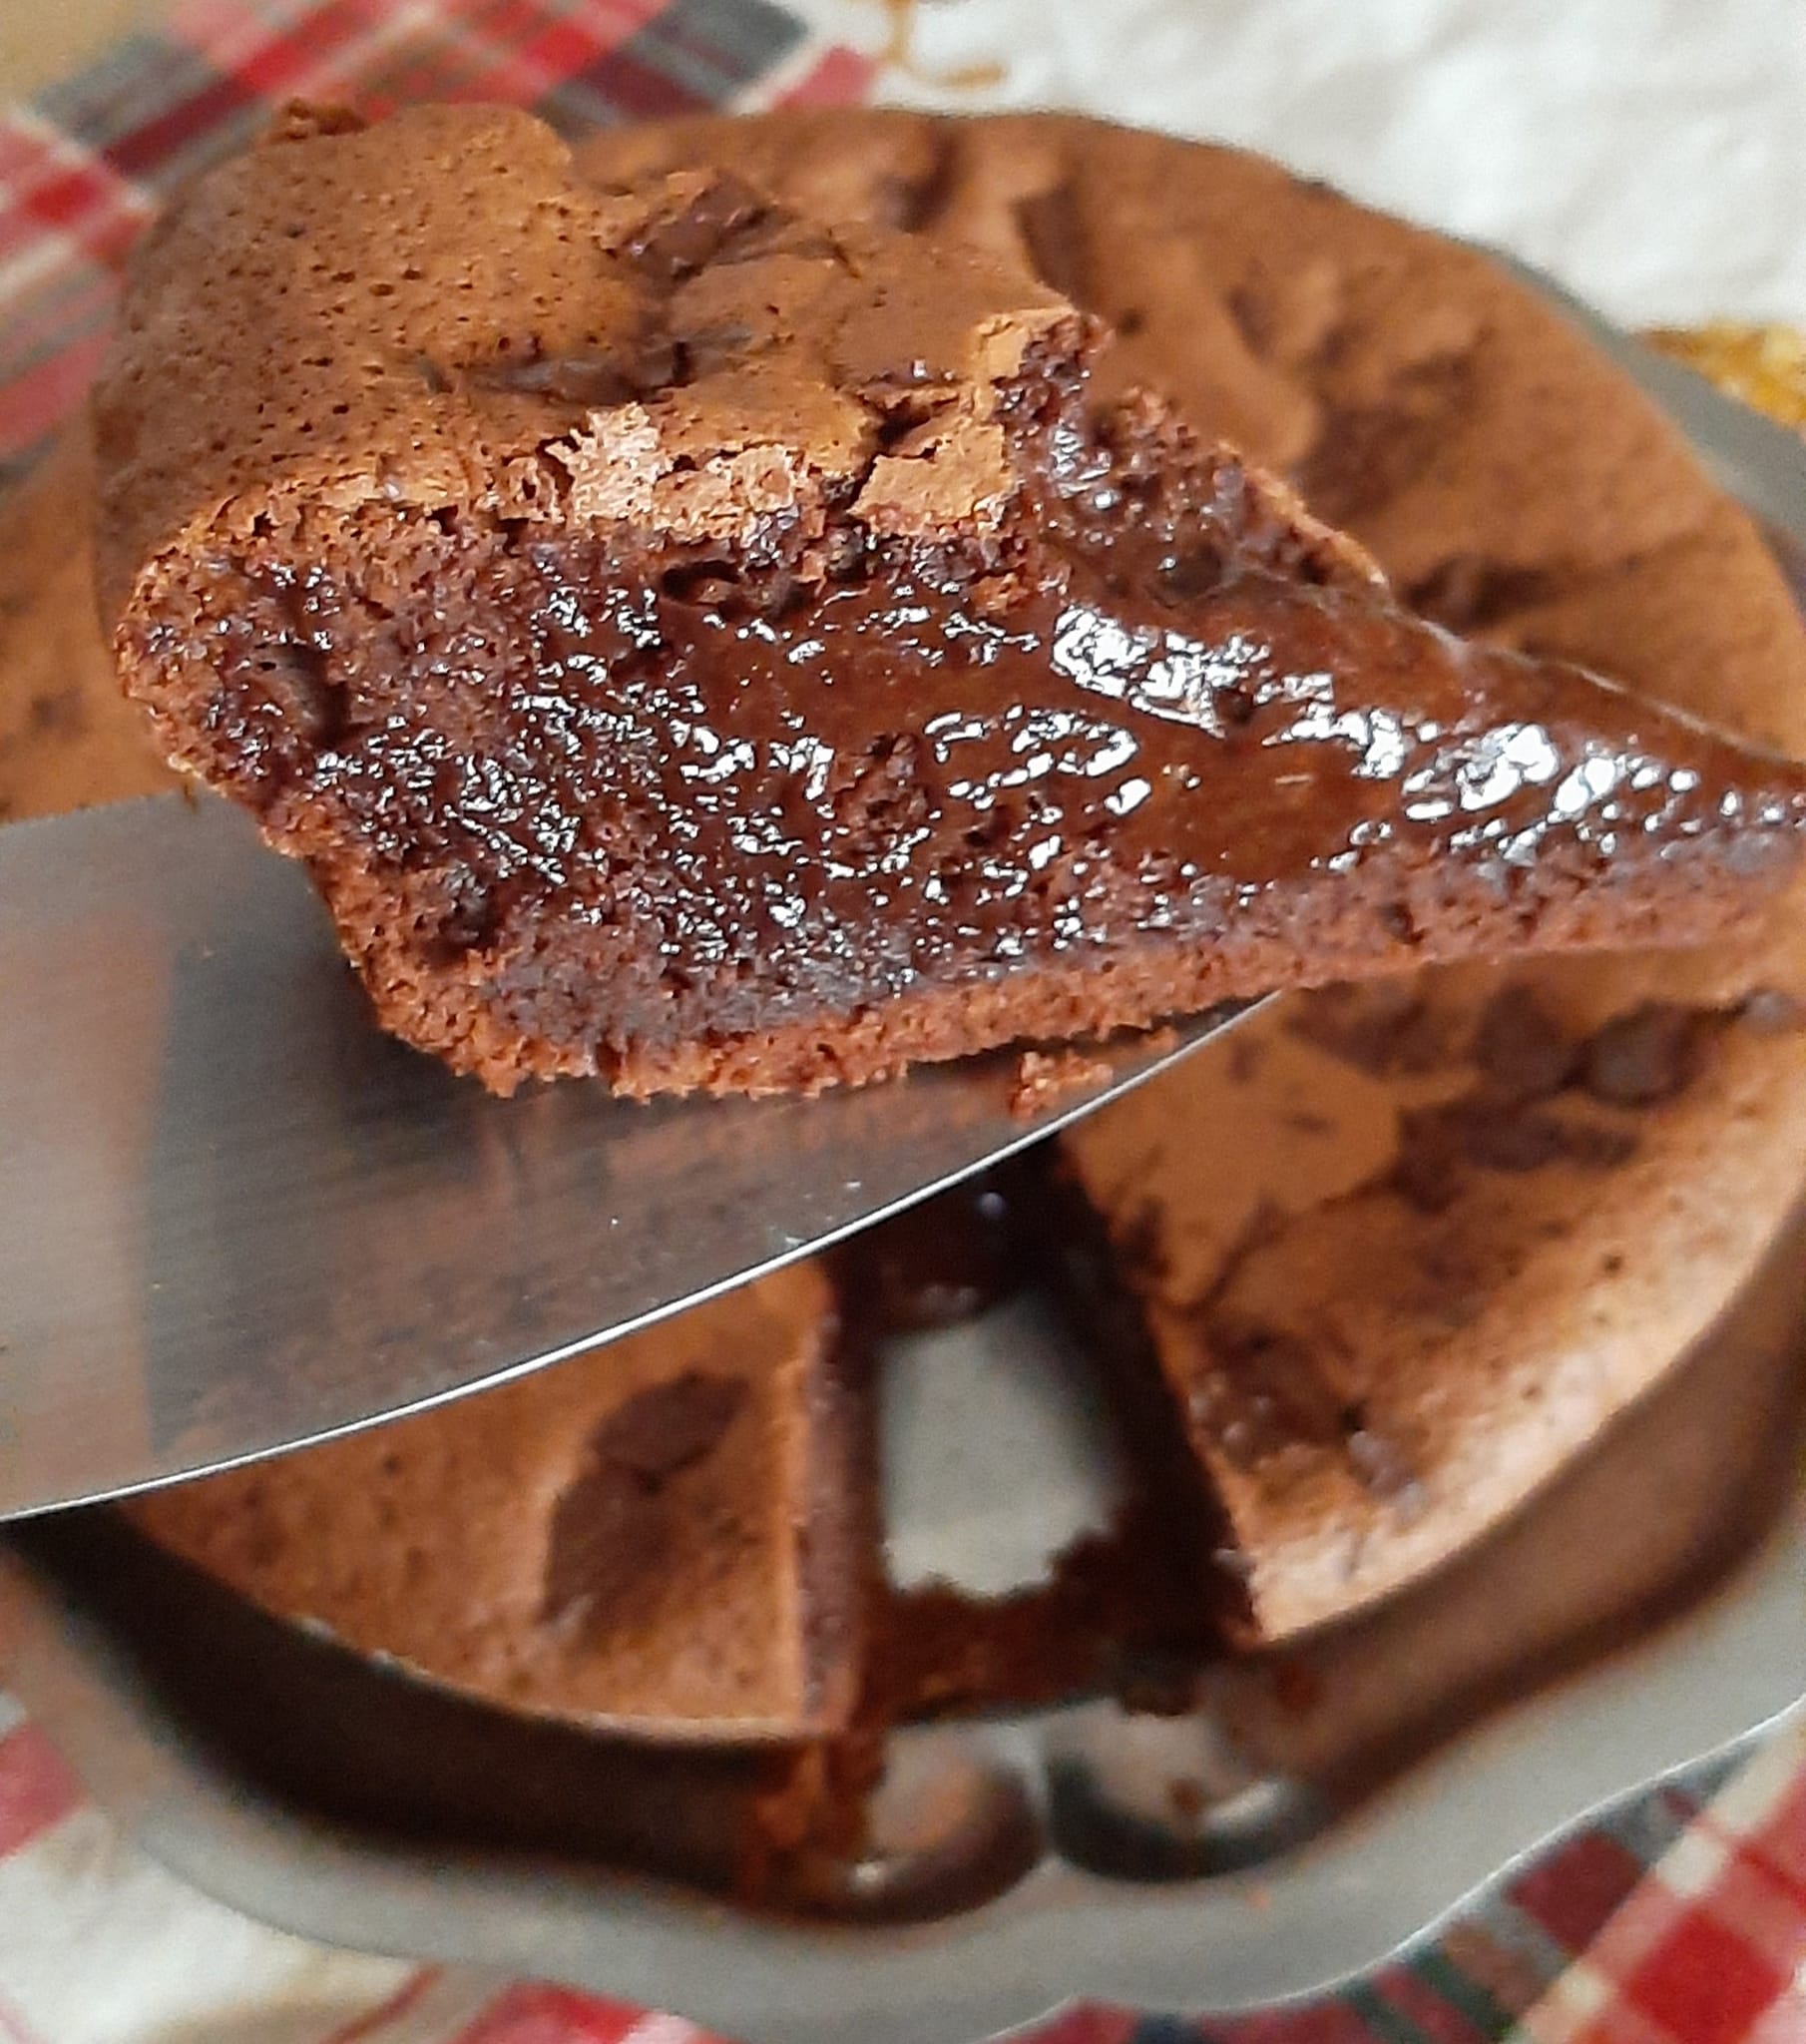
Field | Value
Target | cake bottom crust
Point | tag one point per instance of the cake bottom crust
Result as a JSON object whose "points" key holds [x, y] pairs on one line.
{"points": [[548, 1015]]}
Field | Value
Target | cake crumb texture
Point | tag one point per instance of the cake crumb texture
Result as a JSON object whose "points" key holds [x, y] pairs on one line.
{"points": [[655, 1535]]}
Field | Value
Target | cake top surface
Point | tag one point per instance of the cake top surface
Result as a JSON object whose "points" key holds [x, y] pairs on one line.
{"points": [[620, 1538], [462, 318]]}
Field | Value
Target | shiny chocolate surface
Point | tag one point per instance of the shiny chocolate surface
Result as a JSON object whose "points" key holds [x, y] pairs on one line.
{"points": [[1147, 709]]}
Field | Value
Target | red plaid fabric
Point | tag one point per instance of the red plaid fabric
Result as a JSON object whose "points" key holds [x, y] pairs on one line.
{"points": [[86, 164], [1711, 1948]]}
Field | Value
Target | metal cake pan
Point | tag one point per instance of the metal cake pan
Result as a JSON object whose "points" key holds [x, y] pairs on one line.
{"points": [[1299, 1858]]}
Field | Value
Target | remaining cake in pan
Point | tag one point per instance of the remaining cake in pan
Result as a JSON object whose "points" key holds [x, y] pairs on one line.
{"points": [[667, 1536], [699, 645], [1402, 1253]]}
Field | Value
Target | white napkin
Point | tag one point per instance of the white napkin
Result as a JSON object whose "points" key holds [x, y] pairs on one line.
{"points": [[1650, 153]]}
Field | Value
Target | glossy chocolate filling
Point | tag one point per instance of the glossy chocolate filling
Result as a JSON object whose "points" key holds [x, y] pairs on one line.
{"points": [[654, 793]]}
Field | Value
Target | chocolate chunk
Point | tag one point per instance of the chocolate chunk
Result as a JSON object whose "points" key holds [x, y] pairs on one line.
{"points": [[57, 714], [1252, 313], [1645, 1057], [1499, 1137], [1522, 1051], [1468, 593], [1366, 453], [613, 1526], [668, 1426], [1426, 1171], [1483, 1132], [706, 219], [1382, 1030], [1052, 232], [914, 204]]}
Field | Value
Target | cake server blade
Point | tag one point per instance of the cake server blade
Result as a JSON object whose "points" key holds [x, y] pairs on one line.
{"points": [[235, 1217]]}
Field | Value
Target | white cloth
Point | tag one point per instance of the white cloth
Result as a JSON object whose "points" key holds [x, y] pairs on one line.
{"points": [[1650, 152]]}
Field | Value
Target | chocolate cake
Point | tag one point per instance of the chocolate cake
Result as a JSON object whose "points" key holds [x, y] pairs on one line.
{"points": [[669, 1535], [1488, 1309], [703, 644], [1389, 1259]]}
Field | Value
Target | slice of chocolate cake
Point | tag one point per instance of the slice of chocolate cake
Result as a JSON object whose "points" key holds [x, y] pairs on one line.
{"points": [[705, 646], [669, 1536]]}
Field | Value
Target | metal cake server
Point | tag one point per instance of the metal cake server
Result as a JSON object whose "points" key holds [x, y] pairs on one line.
{"points": [[234, 1218]]}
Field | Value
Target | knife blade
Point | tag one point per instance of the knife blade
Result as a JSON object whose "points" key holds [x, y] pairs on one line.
{"points": [[237, 1218]]}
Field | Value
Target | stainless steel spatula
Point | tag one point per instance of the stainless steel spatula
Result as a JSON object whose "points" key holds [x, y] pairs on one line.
{"points": [[233, 1217]]}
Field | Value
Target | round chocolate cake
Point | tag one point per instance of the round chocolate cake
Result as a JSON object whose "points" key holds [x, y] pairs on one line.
{"points": [[1385, 1261]]}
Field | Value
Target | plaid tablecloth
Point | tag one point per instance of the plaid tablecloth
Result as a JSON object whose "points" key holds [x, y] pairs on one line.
{"points": [[1680, 1919]]}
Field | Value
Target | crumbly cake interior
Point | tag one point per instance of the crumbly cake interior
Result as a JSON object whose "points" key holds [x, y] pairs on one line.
{"points": [[964, 711]]}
